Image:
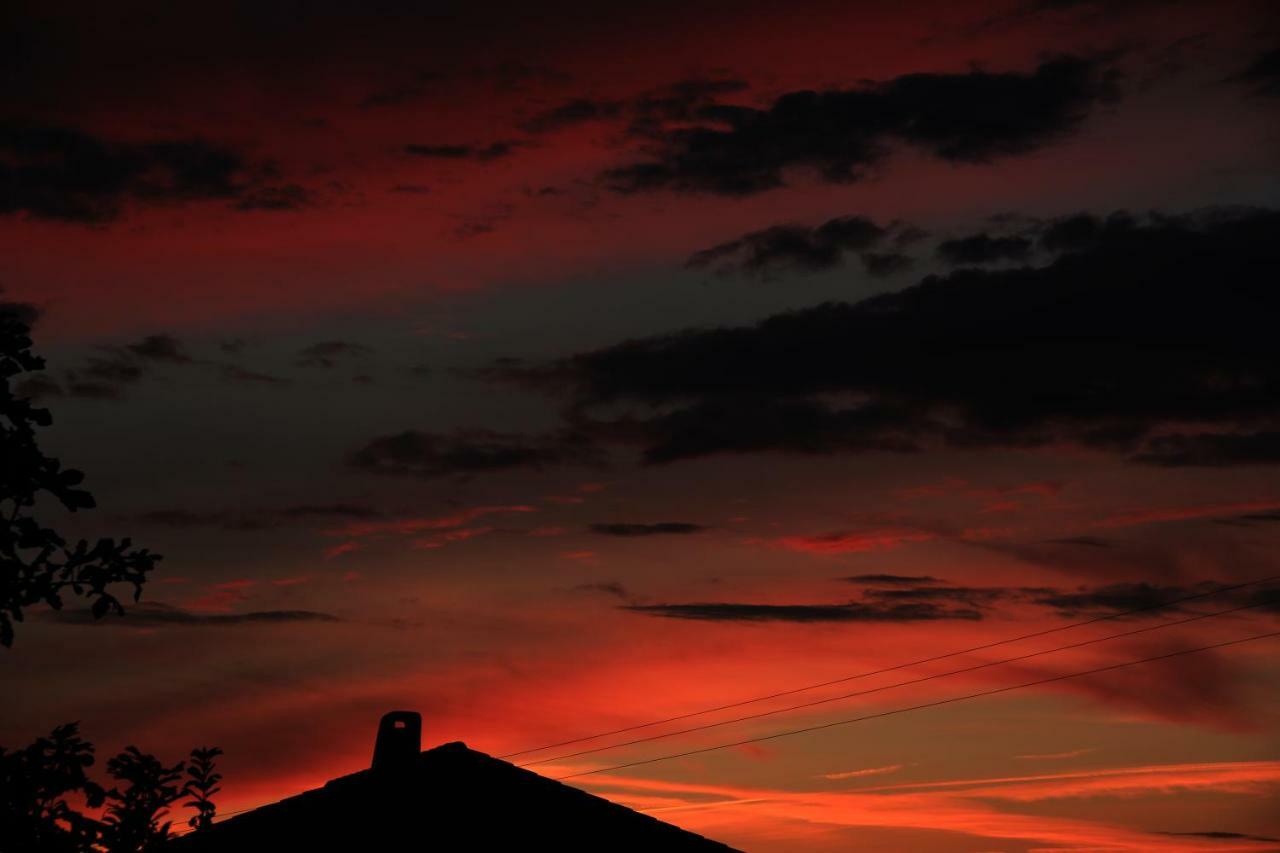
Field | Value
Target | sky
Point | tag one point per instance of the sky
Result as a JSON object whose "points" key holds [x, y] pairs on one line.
{"points": [[552, 369]]}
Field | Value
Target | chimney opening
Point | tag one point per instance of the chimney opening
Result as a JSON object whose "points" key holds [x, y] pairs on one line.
{"points": [[399, 741]]}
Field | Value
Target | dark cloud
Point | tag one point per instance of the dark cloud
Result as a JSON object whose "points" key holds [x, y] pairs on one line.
{"points": [[646, 114], [984, 249], [660, 528], [284, 197], [160, 348], [972, 596], [892, 580], [572, 112], [117, 368], [106, 376], [18, 314], [850, 612], [402, 92], [93, 390], [327, 353], [1221, 835], [613, 588], [256, 519], [1262, 75], [901, 599], [37, 387], [884, 264], [482, 153], [68, 175], [1083, 542], [235, 373], [340, 510], [1161, 321], [1214, 450], [1112, 598], [225, 520], [756, 423], [429, 455], [1252, 518], [1084, 231], [973, 117], [799, 247], [158, 615]]}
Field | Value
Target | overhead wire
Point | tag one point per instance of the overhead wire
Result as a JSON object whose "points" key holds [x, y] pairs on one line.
{"points": [[883, 688], [922, 706], [895, 667]]}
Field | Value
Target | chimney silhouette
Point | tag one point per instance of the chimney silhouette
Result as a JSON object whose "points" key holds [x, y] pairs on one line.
{"points": [[399, 741]]}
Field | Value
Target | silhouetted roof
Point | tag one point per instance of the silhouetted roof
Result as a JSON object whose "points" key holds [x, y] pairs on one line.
{"points": [[448, 798]]}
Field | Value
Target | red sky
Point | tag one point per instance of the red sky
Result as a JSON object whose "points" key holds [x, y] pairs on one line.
{"points": [[334, 305]]}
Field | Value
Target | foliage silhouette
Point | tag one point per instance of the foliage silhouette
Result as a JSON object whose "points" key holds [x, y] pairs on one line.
{"points": [[201, 786], [132, 823], [34, 785], [36, 563], [39, 783]]}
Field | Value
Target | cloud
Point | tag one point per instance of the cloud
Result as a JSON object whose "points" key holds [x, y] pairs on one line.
{"points": [[853, 542], [972, 117], [971, 808], [327, 354], [892, 580], [1213, 450], [858, 774], [37, 388], [1221, 835], [481, 153], [904, 599], [984, 249], [572, 112], [409, 526], [1083, 542], [613, 588], [803, 249], [1146, 325], [160, 348], [236, 373], [283, 197], [646, 113], [849, 612], [657, 529], [970, 595], [1114, 597], [1185, 512], [255, 519], [1262, 75], [106, 375], [68, 175], [1264, 517], [476, 451], [1056, 756], [158, 615], [18, 314]]}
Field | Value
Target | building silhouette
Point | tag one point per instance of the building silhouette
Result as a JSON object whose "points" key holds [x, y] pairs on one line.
{"points": [[449, 798]]}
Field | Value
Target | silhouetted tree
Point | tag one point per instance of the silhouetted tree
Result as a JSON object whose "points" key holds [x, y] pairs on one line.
{"points": [[132, 823], [201, 786], [39, 783], [34, 785], [36, 564]]}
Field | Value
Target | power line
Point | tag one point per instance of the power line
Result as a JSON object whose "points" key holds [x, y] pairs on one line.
{"points": [[923, 706], [922, 679], [792, 691], [189, 830]]}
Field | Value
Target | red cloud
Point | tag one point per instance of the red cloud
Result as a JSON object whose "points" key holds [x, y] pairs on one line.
{"points": [[849, 542]]}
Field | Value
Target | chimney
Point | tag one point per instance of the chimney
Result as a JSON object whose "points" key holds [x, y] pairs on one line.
{"points": [[399, 741]]}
